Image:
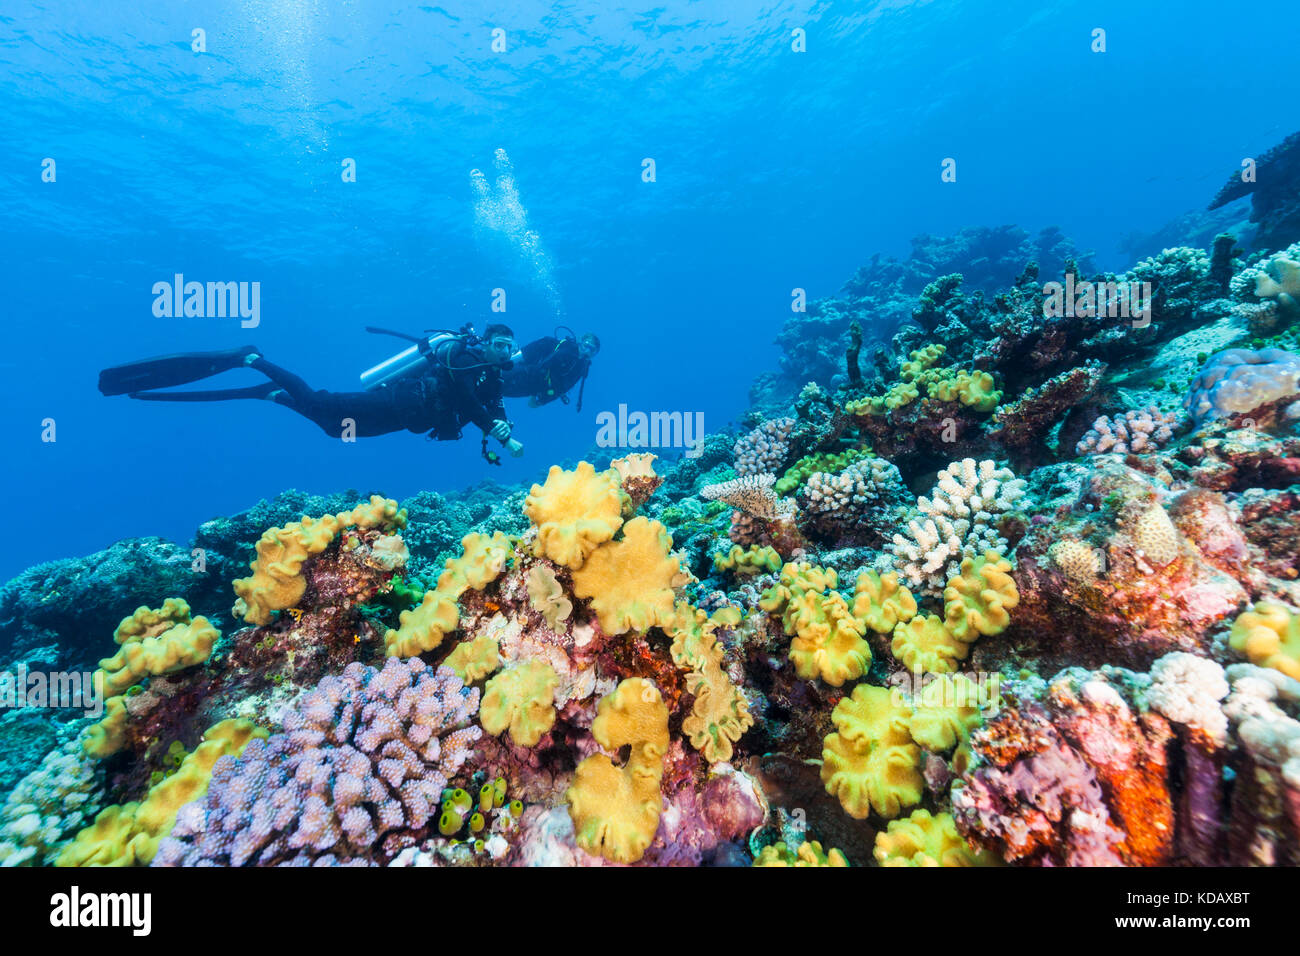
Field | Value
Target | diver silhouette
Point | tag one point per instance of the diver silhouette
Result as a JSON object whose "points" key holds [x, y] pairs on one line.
{"points": [[438, 385], [548, 368]]}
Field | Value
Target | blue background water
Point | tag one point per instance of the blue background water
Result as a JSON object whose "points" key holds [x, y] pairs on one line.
{"points": [[774, 170]]}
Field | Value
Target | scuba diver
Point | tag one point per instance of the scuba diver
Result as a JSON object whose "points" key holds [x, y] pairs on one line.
{"points": [[548, 368], [438, 385]]}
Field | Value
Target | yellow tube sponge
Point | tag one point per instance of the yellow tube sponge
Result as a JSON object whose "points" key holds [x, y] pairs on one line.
{"points": [[872, 762], [575, 512], [880, 602], [547, 596], [1269, 636], [473, 660], [944, 713], [128, 835], [720, 714], [747, 561], [923, 839], [630, 581], [615, 811], [977, 600], [808, 854], [423, 627], [924, 644], [522, 699]]}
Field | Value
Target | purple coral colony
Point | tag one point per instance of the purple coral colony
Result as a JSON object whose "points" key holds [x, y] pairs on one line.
{"points": [[1015, 586]]}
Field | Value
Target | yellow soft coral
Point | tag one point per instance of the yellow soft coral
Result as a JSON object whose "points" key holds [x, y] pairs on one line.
{"points": [[808, 854], [880, 602], [157, 642], [977, 600], [481, 562], [475, 659], [827, 637], [926, 840], [720, 714], [1269, 635], [107, 737], [422, 628], [615, 811], [694, 644], [522, 699], [630, 581], [973, 389], [547, 597], [747, 561], [128, 835], [575, 512], [944, 712], [276, 582], [872, 762], [924, 644]]}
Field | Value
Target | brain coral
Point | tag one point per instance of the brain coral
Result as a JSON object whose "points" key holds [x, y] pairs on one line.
{"points": [[362, 754], [1239, 380], [872, 762], [630, 581], [575, 512], [616, 810]]}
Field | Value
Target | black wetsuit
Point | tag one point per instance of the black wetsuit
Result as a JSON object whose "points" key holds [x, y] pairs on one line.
{"points": [[548, 369], [459, 388]]}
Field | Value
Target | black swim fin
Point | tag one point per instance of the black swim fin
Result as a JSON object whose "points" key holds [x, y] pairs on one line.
{"points": [[167, 370]]}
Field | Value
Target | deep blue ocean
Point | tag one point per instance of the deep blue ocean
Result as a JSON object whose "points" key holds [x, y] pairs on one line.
{"points": [[774, 169]]}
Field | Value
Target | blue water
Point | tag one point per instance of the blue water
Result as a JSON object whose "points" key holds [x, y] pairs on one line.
{"points": [[774, 169]]}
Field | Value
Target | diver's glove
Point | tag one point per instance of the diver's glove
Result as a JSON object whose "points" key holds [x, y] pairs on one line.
{"points": [[516, 448], [500, 430]]}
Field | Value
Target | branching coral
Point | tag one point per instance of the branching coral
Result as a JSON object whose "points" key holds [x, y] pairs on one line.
{"points": [[956, 522], [1143, 430], [48, 805], [575, 512], [615, 811], [363, 753], [764, 449], [751, 494]]}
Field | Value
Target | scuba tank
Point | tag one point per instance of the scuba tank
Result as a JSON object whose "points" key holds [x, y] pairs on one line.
{"points": [[413, 360]]}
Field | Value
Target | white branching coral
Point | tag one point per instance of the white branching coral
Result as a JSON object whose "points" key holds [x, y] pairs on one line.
{"points": [[866, 483], [1187, 689], [957, 521], [751, 494], [48, 806], [763, 449], [1143, 430]]}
